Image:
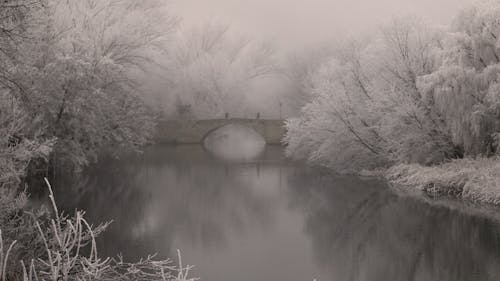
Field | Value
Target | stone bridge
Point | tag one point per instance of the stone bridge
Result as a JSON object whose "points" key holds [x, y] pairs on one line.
{"points": [[195, 131]]}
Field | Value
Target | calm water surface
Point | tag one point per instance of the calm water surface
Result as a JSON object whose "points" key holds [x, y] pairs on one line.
{"points": [[271, 219]]}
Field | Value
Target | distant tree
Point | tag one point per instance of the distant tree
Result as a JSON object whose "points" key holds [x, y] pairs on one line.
{"points": [[214, 68], [298, 70]]}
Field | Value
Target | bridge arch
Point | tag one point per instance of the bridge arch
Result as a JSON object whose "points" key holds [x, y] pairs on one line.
{"points": [[195, 131], [216, 128]]}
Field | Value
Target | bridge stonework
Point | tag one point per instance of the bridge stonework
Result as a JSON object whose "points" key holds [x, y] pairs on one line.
{"points": [[194, 131]]}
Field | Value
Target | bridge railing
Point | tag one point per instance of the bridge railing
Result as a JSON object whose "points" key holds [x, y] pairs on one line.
{"points": [[257, 116]]}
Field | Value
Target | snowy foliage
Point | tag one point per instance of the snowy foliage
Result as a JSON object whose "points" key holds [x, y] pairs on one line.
{"points": [[20, 143], [464, 89], [411, 94], [298, 67], [78, 72], [367, 110]]}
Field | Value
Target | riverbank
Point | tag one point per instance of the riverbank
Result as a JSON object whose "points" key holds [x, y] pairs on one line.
{"points": [[475, 180]]}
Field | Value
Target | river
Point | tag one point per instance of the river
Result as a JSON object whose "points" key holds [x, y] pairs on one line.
{"points": [[273, 219]]}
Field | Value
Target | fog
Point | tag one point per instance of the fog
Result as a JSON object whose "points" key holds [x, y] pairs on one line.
{"points": [[287, 38], [265, 139], [299, 23]]}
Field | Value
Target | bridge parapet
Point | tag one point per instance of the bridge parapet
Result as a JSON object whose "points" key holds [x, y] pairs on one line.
{"points": [[194, 131]]}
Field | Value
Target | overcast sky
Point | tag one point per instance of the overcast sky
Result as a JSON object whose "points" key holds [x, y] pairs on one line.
{"points": [[297, 23]]}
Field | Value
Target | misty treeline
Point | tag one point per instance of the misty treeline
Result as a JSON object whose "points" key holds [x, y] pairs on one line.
{"points": [[411, 93], [213, 70]]}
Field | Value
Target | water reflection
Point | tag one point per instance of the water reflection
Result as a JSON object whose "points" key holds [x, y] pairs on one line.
{"points": [[273, 220], [158, 198], [363, 231]]}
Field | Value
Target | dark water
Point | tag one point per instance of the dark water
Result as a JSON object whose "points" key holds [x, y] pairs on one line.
{"points": [[273, 220]]}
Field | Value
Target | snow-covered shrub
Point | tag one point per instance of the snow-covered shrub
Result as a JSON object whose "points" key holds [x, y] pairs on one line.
{"points": [[476, 180]]}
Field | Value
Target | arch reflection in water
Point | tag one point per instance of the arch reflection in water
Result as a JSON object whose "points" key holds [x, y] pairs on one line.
{"points": [[234, 142]]}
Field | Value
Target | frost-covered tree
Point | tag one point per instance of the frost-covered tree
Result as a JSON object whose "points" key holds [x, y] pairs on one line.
{"points": [[412, 94], [465, 88], [413, 129], [367, 108], [297, 69], [213, 69], [20, 143], [337, 128], [15, 19], [80, 68]]}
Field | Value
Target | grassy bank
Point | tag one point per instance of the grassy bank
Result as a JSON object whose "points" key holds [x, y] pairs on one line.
{"points": [[475, 180]]}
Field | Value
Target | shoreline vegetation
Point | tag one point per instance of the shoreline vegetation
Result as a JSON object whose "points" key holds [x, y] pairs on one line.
{"points": [[474, 180], [416, 104]]}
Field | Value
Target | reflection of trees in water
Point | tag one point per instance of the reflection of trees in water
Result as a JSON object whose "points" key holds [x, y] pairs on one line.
{"points": [[362, 231], [163, 196]]}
